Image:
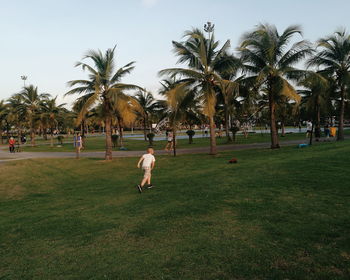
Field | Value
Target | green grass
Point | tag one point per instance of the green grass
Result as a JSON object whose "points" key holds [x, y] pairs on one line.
{"points": [[282, 214], [98, 143]]}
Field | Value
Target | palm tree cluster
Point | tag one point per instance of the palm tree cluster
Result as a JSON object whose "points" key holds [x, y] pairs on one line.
{"points": [[32, 112], [262, 81], [259, 82]]}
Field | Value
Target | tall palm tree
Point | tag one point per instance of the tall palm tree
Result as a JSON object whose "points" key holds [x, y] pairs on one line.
{"points": [[51, 115], [148, 104], [334, 58], [103, 86], [31, 102], [204, 61], [270, 60]]}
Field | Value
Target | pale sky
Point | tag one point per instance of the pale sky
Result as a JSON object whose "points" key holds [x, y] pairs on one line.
{"points": [[44, 38]]}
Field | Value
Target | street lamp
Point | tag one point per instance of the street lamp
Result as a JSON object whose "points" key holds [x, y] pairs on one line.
{"points": [[209, 27], [24, 78]]}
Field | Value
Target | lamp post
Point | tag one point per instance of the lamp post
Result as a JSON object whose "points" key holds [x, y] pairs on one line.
{"points": [[24, 78], [209, 27]]}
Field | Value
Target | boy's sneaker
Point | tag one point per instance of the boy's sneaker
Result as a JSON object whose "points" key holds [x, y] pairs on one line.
{"points": [[150, 187], [139, 188]]}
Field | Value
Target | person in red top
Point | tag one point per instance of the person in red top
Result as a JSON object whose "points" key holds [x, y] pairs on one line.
{"points": [[12, 142]]}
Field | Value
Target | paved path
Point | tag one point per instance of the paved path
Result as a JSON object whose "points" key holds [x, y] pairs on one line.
{"points": [[6, 156]]}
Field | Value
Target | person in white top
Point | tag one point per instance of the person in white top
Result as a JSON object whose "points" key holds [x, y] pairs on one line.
{"points": [[308, 129], [169, 144], [148, 162]]}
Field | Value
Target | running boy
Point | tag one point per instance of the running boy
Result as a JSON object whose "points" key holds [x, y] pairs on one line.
{"points": [[147, 161]]}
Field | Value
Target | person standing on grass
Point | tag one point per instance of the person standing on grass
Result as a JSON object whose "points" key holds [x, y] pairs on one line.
{"points": [[12, 142], [308, 129], [148, 161], [77, 144], [169, 144]]}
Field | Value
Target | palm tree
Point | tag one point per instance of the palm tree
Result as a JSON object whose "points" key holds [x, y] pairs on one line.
{"points": [[334, 58], [205, 61], [267, 58], [315, 96], [229, 90], [3, 116], [51, 114], [148, 104], [180, 100], [103, 85], [31, 101]]}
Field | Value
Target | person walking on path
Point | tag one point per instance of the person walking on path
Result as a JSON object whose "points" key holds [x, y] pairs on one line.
{"points": [[77, 144], [169, 144], [148, 161], [12, 143]]}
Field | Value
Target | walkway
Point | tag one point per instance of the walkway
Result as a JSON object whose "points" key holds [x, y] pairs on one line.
{"points": [[6, 156]]}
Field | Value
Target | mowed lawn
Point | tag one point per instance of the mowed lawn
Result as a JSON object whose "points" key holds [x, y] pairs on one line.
{"points": [[281, 214], [97, 143]]}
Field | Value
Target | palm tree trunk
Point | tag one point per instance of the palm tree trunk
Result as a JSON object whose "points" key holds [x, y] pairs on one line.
{"points": [[121, 136], [283, 132], [108, 122], [318, 122], [32, 136], [273, 128], [227, 125], [340, 136], [144, 128], [51, 140], [174, 141], [212, 136]]}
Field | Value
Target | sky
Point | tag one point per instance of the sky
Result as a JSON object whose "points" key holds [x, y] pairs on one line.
{"points": [[43, 39]]}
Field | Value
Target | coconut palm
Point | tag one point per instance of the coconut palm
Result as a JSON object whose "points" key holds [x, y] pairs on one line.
{"points": [[51, 114], [3, 117], [270, 60], [315, 96], [205, 60], [30, 104], [181, 99], [334, 58], [148, 104], [104, 85]]}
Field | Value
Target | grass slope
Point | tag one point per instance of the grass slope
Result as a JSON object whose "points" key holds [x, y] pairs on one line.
{"points": [[274, 215]]}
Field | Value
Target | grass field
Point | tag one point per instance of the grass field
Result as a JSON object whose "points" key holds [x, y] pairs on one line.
{"points": [[98, 143], [275, 215]]}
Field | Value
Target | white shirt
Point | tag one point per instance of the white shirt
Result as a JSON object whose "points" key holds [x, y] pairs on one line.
{"points": [[308, 125], [148, 159]]}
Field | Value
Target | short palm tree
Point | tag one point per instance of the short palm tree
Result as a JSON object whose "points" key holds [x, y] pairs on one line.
{"points": [[205, 61], [148, 104], [271, 63], [315, 95], [51, 114], [180, 99], [104, 85], [334, 58]]}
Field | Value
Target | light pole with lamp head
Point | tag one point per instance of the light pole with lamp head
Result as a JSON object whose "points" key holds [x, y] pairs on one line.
{"points": [[24, 78]]}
